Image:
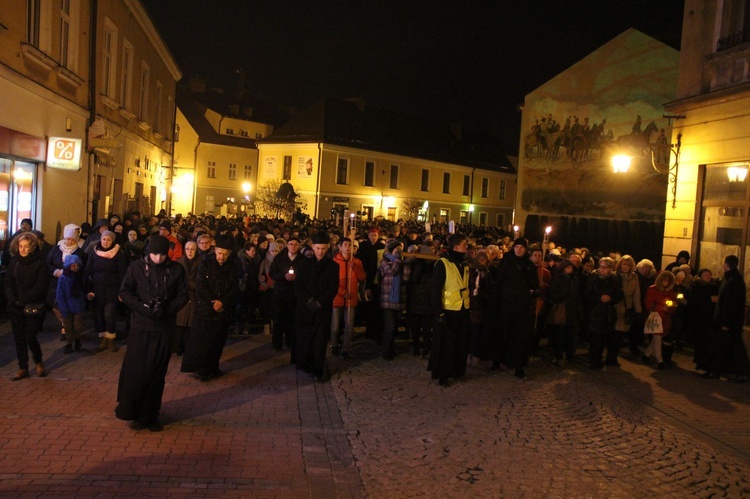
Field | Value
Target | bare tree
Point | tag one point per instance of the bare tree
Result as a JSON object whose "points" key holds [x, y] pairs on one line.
{"points": [[411, 207], [268, 202]]}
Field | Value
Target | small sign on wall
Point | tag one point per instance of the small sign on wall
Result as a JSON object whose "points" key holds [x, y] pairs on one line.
{"points": [[269, 167], [64, 153], [304, 167]]}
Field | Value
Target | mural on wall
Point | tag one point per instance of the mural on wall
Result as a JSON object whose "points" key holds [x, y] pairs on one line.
{"points": [[609, 103], [568, 167]]}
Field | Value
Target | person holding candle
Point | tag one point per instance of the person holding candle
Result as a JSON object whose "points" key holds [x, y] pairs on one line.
{"points": [[662, 298], [284, 301]]}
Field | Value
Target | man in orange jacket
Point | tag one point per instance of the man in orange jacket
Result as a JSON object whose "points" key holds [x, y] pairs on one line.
{"points": [[351, 273]]}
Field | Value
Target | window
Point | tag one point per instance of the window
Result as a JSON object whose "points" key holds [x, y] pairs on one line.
{"points": [[446, 183], [232, 171], [126, 76], [500, 220], [258, 136], [482, 218], [463, 217], [34, 22], [211, 169], [485, 186], [467, 185], [158, 107], [391, 214], [108, 59], [370, 173], [735, 24], [445, 216], [67, 36], [394, 177], [342, 171], [502, 189], [145, 76], [230, 131], [248, 172], [210, 204], [425, 180], [287, 167]]}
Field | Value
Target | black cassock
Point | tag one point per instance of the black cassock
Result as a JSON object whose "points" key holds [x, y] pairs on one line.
{"points": [[144, 367], [316, 281]]}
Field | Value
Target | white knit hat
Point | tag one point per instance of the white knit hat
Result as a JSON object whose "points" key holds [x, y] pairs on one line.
{"points": [[72, 231]]}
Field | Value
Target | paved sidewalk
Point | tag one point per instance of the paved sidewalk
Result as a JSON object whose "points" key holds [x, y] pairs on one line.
{"points": [[379, 429]]}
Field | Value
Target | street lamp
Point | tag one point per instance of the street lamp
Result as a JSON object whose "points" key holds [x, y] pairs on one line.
{"points": [[661, 157], [545, 240]]}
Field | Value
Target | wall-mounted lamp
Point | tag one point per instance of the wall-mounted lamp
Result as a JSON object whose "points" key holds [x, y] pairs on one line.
{"points": [[737, 173], [68, 125], [661, 161]]}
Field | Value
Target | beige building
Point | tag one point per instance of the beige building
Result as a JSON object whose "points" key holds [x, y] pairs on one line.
{"points": [[338, 155], [216, 158], [44, 89], [65, 156], [711, 201], [132, 130]]}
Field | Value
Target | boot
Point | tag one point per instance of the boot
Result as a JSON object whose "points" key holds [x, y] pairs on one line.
{"points": [[21, 374], [666, 352], [111, 342], [40, 370], [102, 343]]}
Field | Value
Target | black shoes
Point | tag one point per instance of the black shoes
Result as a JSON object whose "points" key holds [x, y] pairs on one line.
{"points": [[142, 424], [520, 373]]}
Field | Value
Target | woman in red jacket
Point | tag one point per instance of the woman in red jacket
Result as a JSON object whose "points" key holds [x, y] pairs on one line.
{"points": [[661, 298]]}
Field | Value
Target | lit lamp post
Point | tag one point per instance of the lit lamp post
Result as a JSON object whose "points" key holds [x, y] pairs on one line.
{"points": [[471, 210], [246, 186], [516, 228]]}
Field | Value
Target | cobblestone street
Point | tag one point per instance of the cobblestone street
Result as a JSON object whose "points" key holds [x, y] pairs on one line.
{"points": [[378, 429]]}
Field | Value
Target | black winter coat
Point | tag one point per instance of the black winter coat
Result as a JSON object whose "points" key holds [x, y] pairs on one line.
{"points": [[216, 282], [104, 274], [146, 283], [26, 281]]}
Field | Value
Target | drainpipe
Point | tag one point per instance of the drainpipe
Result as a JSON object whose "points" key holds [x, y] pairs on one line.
{"points": [[471, 192], [195, 175], [92, 107], [317, 183]]}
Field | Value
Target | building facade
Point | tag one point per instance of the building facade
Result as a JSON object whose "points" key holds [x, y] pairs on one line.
{"points": [[216, 158], [338, 156], [712, 106]]}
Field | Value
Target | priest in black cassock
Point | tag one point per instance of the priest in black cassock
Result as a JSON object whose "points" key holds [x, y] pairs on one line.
{"points": [[155, 289], [315, 286], [217, 289]]}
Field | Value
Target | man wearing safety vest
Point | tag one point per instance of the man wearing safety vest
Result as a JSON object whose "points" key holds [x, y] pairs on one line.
{"points": [[449, 300]]}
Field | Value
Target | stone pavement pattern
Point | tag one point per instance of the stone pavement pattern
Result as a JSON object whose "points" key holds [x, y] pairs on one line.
{"points": [[378, 429]]}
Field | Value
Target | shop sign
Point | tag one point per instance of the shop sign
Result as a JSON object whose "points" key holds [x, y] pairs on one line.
{"points": [[64, 153]]}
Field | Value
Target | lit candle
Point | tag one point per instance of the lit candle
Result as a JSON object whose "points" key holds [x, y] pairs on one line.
{"points": [[291, 271], [680, 296], [668, 303]]}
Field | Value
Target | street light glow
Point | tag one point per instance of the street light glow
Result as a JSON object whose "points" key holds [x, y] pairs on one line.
{"points": [[621, 163]]}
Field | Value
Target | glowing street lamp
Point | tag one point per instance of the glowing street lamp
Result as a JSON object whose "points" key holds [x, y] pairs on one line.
{"points": [[621, 163]]}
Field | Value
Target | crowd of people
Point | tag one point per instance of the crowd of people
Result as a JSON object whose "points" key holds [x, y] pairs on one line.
{"points": [[465, 295]]}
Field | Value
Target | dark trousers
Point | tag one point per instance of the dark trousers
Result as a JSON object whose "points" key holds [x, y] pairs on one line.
{"points": [[564, 340], [104, 317], [420, 325], [25, 330], [390, 319], [598, 340], [283, 321], [728, 354]]}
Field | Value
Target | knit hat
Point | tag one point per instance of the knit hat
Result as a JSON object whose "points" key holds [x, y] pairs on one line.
{"points": [[373, 229], [110, 234], [158, 245], [225, 242], [71, 231], [320, 238], [393, 244], [70, 260], [521, 241], [166, 224]]}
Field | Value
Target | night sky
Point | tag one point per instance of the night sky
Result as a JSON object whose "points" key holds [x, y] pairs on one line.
{"points": [[468, 61]]}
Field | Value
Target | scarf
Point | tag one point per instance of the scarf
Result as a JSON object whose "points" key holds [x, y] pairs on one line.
{"points": [[67, 250], [395, 296], [109, 254]]}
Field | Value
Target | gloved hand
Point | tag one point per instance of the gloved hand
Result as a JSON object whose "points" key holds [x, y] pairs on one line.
{"points": [[157, 311], [313, 305]]}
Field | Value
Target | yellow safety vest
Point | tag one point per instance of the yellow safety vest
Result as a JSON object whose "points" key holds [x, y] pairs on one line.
{"points": [[456, 288]]}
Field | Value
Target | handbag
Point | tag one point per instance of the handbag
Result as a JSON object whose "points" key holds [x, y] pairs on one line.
{"points": [[556, 315], [33, 309], [653, 324]]}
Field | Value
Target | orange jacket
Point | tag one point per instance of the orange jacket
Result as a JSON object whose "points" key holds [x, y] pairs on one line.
{"points": [[350, 273]]}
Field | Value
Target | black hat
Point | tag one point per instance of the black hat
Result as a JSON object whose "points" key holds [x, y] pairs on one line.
{"points": [[166, 224], [392, 245], [521, 241], [158, 245], [320, 238], [225, 242]]}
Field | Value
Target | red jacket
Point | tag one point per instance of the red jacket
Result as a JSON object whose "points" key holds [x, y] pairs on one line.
{"points": [[350, 273]]}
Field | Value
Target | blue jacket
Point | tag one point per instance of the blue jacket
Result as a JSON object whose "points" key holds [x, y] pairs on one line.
{"points": [[70, 295]]}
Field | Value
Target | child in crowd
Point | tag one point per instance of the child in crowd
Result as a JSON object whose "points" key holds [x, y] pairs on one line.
{"points": [[71, 301]]}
